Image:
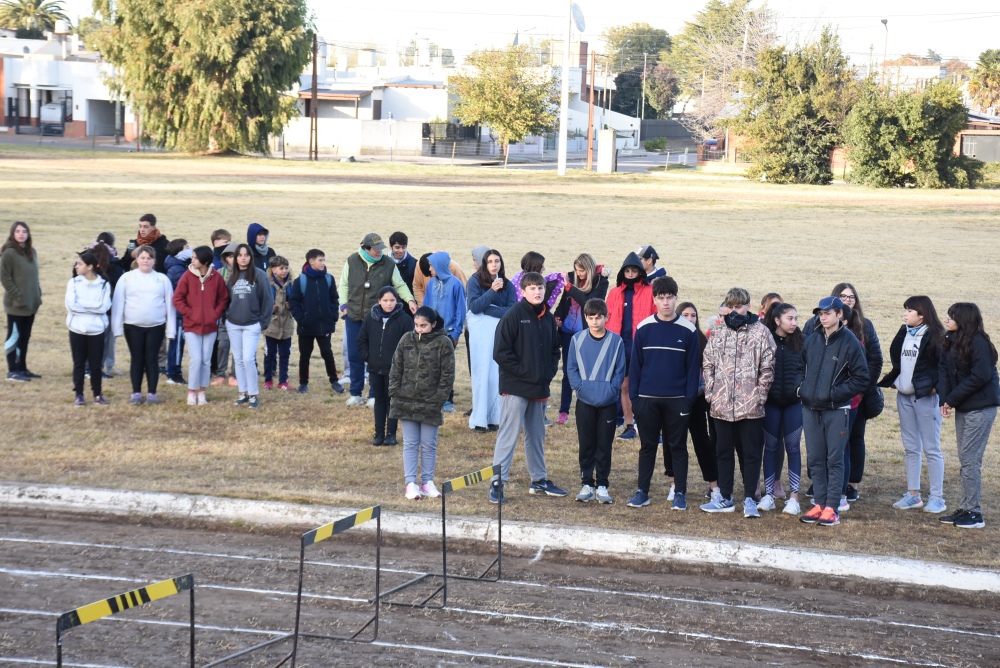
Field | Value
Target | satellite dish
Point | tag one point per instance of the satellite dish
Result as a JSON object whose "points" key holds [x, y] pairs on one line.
{"points": [[578, 17]]}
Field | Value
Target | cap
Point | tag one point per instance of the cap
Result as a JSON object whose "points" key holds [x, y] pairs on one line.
{"points": [[648, 253], [373, 241], [828, 303]]}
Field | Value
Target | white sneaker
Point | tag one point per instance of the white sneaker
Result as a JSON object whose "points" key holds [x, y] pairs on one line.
{"points": [[412, 491], [603, 495], [192, 398], [428, 489], [586, 494], [370, 403], [792, 507], [670, 496], [766, 502], [355, 401], [202, 399], [844, 505]]}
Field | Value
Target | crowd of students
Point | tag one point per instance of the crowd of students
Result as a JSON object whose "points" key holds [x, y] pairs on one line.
{"points": [[746, 389]]}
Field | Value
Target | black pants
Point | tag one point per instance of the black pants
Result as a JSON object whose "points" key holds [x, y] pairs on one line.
{"points": [[746, 436], [702, 429], [16, 343], [669, 417], [87, 349], [305, 352], [144, 348], [379, 385], [857, 446], [595, 426]]}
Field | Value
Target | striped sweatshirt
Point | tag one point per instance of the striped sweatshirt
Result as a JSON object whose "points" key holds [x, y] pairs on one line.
{"points": [[666, 360]]}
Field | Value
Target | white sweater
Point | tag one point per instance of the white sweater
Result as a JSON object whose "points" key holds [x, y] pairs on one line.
{"points": [[143, 300], [87, 304]]}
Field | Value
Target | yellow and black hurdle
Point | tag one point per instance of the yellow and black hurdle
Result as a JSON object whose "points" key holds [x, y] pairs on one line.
{"points": [[115, 604], [449, 486]]}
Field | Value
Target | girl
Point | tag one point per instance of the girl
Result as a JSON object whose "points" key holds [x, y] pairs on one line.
{"points": [[278, 336], [968, 384], [380, 333], [249, 314], [201, 299], [112, 268], [489, 295], [914, 354], [783, 409], [21, 300], [554, 283], [420, 380], [143, 311], [586, 282], [700, 425], [88, 299]]}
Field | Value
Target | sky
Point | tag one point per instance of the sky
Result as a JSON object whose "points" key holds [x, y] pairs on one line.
{"points": [[914, 26]]}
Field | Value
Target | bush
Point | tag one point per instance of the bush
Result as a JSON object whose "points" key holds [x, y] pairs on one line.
{"points": [[657, 144]]}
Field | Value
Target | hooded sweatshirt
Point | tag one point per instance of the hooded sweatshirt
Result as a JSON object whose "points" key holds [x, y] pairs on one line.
{"points": [[738, 366], [250, 303], [380, 334], [260, 254], [625, 299], [446, 295], [87, 304], [201, 300]]}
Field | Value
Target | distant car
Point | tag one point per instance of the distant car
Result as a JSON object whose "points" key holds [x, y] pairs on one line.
{"points": [[714, 143]]}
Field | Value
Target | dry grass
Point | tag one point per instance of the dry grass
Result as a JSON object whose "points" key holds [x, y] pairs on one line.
{"points": [[712, 233]]}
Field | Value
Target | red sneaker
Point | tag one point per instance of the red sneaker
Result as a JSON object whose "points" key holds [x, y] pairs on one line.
{"points": [[829, 518], [812, 517], [284, 386], [269, 385]]}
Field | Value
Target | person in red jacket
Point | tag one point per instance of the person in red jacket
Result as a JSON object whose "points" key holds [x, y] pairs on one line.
{"points": [[629, 303], [201, 298]]}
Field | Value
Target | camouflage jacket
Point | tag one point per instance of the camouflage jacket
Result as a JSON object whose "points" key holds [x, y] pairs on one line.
{"points": [[738, 366], [421, 378]]}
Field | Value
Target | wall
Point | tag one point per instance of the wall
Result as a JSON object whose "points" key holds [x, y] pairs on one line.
{"points": [[415, 104], [345, 137]]}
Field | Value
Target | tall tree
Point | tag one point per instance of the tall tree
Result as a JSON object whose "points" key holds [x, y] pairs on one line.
{"points": [[628, 94], [208, 74], [984, 82], [662, 89], [626, 44], [39, 14], [502, 89]]}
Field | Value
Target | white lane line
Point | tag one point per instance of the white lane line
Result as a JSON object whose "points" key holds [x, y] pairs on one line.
{"points": [[36, 662], [524, 583]]}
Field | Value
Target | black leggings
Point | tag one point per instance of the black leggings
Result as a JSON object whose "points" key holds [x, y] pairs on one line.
{"points": [[144, 348], [384, 425], [87, 349], [16, 343]]}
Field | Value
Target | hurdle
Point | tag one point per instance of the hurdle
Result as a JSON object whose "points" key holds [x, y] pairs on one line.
{"points": [[309, 538], [449, 486], [115, 604]]}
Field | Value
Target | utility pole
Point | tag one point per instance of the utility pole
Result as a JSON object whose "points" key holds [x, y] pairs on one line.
{"points": [[885, 51], [590, 115], [313, 117], [564, 98], [643, 104]]}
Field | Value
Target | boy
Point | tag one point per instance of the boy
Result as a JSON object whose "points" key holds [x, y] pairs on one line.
{"points": [[278, 335], [222, 358], [220, 239], [257, 236], [405, 263], [836, 370], [315, 305], [178, 259], [663, 383], [595, 366], [649, 257], [526, 349], [446, 295]]}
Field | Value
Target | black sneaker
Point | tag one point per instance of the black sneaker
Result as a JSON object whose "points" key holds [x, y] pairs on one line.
{"points": [[389, 440], [970, 521], [28, 374], [950, 519], [254, 402], [378, 440], [493, 427], [337, 387], [18, 377], [546, 487], [852, 494], [176, 379], [496, 493], [480, 430], [242, 400]]}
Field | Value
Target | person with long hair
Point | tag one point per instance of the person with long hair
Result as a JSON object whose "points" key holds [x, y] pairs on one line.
{"points": [[489, 296], [250, 309], [783, 409], [201, 299], [585, 282], [22, 297], [103, 249], [380, 334], [914, 354], [88, 299], [968, 385], [555, 282]]}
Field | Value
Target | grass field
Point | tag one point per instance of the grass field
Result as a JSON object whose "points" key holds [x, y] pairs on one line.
{"points": [[711, 233]]}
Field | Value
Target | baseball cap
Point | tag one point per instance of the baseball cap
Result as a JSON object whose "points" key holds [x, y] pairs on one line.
{"points": [[648, 253], [829, 303], [374, 241]]}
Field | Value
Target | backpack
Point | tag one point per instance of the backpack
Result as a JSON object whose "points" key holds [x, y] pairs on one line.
{"points": [[302, 284]]}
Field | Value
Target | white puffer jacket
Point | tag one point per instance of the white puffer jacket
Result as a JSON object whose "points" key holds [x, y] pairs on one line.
{"points": [[87, 303]]}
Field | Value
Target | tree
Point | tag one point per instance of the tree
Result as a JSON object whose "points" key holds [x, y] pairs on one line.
{"points": [[501, 88], [626, 44], [88, 27], [795, 106], [38, 14], [662, 89], [208, 74], [984, 82], [628, 94], [956, 68], [933, 56], [908, 139]]}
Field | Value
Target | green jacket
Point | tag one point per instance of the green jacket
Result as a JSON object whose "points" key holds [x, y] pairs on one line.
{"points": [[19, 278], [421, 378], [357, 299]]}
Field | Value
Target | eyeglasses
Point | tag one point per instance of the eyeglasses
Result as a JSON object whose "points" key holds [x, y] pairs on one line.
{"points": [[848, 298]]}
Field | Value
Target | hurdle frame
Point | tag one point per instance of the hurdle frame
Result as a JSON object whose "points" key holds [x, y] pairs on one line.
{"points": [[126, 601], [449, 486]]}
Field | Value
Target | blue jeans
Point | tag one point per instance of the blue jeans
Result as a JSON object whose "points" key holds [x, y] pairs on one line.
{"points": [[276, 352], [244, 340], [782, 433], [175, 351], [351, 331]]}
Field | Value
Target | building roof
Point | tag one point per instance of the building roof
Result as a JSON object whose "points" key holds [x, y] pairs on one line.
{"points": [[334, 94], [410, 82]]}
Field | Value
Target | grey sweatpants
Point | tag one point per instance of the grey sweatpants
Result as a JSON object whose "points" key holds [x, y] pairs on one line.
{"points": [[419, 447], [827, 434], [972, 430], [515, 413], [920, 429]]}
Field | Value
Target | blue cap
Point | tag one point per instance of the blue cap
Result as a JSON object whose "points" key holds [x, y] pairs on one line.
{"points": [[828, 304]]}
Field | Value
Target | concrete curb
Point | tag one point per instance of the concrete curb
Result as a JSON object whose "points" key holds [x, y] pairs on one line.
{"points": [[538, 537]]}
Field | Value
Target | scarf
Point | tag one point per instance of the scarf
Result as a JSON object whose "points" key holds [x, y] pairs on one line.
{"points": [[630, 282], [261, 248], [312, 273], [148, 241], [734, 320], [366, 257], [403, 259], [185, 255], [913, 331], [539, 309]]}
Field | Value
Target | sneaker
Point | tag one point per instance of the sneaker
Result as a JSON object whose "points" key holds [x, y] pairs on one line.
{"points": [[176, 379], [86, 375], [389, 440], [496, 493], [680, 503], [99, 400], [202, 399], [370, 403], [467, 413], [779, 492], [563, 418], [152, 398], [909, 501], [233, 382], [546, 487], [638, 500], [479, 430], [828, 518], [136, 399], [412, 491], [353, 401], [18, 377], [242, 400], [493, 427], [671, 493], [546, 421], [791, 507], [449, 406], [106, 376], [719, 505], [218, 381], [603, 495], [809, 492], [586, 494], [852, 494], [628, 434], [192, 398], [766, 503], [284, 386], [429, 490], [750, 507], [337, 387], [304, 389], [935, 504], [79, 402], [268, 385], [970, 521], [30, 376], [813, 515], [950, 519], [254, 402], [844, 505], [378, 440]]}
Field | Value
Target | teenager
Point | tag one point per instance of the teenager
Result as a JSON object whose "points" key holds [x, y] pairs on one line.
{"points": [[278, 335], [22, 297], [422, 276], [315, 305], [220, 238], [178, 260], [701, 427], [257, 236], [835, 371], [555, 282], [663, 382], [107, 261], [446, 295], [968, 385], [380, 334], [249, 313], [629, 303], [88, 299], [201, 299], [914, 354], [489, 296], [222, 359], [149, 235], [406, 264], [766, 302], [584, 283], [527, 352], [649, 257]]}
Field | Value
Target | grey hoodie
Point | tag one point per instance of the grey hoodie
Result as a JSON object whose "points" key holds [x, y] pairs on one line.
{"points": [[250, 303]]}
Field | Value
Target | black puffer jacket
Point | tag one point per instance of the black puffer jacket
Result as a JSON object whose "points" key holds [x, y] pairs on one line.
{"points": [[789, 371], [925, 372], [969, 389], [377, 340], [835, 370], [526, 348], [871, 344]]}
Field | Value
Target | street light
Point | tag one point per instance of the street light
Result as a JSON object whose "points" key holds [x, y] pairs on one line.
{"points": [[885, 51]]}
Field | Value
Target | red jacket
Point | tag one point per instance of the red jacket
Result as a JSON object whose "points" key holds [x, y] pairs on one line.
{"points": [[201, 303], [642, 306]]}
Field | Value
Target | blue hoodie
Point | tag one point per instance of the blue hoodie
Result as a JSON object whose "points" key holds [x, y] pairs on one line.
{"points": [[260, 258], [446, 295]]}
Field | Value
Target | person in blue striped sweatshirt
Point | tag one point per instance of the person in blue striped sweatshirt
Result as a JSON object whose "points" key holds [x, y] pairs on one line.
{"points": [[663, 383]]}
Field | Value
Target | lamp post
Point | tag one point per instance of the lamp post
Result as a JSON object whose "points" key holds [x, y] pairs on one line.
{"points": [[885, 51]]}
